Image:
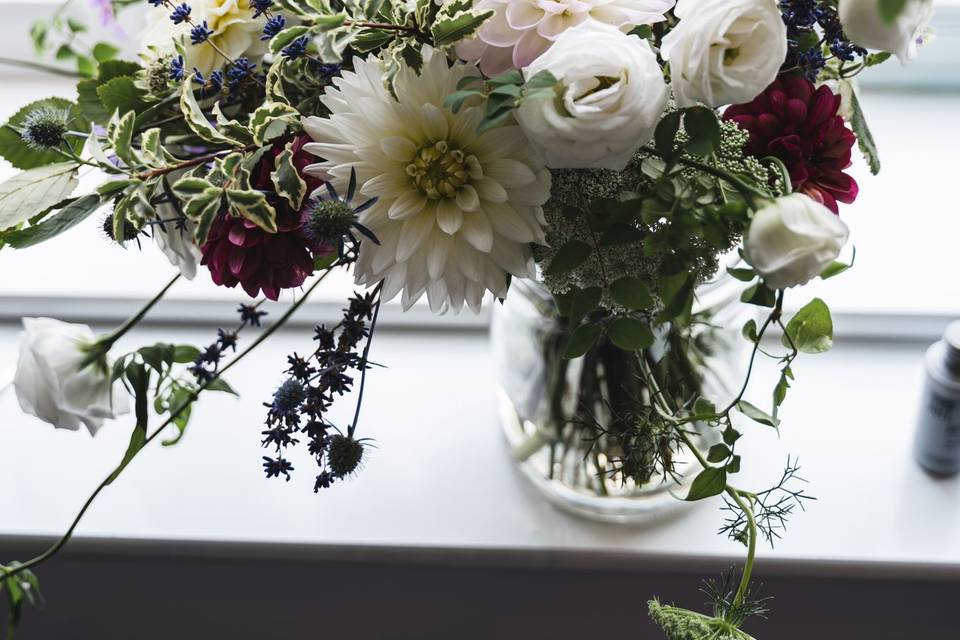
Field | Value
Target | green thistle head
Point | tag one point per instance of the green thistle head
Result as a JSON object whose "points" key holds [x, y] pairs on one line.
{"points": [[45, 127], [344, 455], [329, 220]]}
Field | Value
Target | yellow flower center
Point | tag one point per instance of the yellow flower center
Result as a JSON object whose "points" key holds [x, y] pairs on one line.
{"points": [[438, 171]]}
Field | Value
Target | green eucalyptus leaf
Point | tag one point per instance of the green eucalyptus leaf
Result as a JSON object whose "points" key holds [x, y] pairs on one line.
{"points": [[756, 414], [584, 337], [584, 302], [632, 293]]}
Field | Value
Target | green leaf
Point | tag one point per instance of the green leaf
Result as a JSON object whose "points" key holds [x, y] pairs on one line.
{"points": [[631, 334], [743, 275], [23, 156], [451, 29], [138, 376], [678, 295], [184, 353], [121, 94], [581, 340], [756, 414], [718, 453], [666, 134], [730, 435], [253, 206], [631, 293], [810, 329], [29, 193], [734, 465], [704, 407], [836, 267], [710, 482], [197, 120], [287, 179], [584, 302], [570, 256], [69, 216], [271, 120], [120, 133], [760, 295], [219, 384], [104, 51], [703, 129], [285, 37], [858, 122], [749, 330]]}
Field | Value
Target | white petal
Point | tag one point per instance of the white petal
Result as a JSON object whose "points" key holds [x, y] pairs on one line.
{"points": [[449, 216], [398, 148], [414, 233], [477, 231], [409, 203], [467, 198]]}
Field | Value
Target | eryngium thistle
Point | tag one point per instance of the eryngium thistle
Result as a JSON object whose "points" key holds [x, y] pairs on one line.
{"points": [[130, 232], [45, 127], [328, 220], [344, 455]]}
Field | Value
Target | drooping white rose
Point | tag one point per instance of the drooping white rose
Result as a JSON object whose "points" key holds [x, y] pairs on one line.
{"points": [[724, 51], [793, 239], [236, 33], [176, 241], [611, 95], [863, 25], [50, 385]]}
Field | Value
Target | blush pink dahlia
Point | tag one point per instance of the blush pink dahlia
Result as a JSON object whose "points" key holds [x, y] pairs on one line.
{"points": [[520, 30], [799, 123], [239, 252]]}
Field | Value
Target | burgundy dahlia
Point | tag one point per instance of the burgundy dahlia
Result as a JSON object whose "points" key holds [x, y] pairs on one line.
{"points": [[239, 252], [798, 123]]}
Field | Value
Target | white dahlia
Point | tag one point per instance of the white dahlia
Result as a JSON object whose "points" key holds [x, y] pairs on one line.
{"points": [[236, 33], [456, 209]]}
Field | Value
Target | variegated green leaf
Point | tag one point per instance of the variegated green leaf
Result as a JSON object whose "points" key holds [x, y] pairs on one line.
{"points": [[197, 120], [120, 133], [253, 206], [287, 179], [271, 121]]}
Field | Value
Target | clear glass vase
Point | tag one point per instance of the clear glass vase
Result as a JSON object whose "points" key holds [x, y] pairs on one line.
{"points": [[562, 417]]}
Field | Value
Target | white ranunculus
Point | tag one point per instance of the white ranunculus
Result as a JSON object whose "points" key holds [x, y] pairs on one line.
{"points": [[50, 385], [724, 51], [236, 33], [611, 95], [793, 239], [863, 25], [176, 242]]}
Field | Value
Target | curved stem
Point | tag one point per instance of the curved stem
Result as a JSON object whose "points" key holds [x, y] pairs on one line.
{"points": [[6, 572], [364, 362], [39, 66], [109, 340], [751, 545]]}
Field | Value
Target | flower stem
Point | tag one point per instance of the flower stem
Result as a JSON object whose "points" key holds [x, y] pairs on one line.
{"points": [[39, 66], [109, 340], [7, 572]]}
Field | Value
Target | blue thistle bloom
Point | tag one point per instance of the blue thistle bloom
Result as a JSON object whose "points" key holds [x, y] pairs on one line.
{"points": [[274, 468], [260, 7], [176, 69], [180, 13], [45, 128], [273, 26], [200, 33], [249, 315], [288, 397], [296, 49]]}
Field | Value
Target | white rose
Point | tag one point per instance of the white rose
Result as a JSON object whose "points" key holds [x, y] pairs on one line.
{"points": [[793, 239], [724, 51], [863, 25], [236, 33], [50, 385], [176, 241], [612, 95]]}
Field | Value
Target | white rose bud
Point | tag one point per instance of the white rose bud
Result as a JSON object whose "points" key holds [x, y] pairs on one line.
{"points": [[176, 241], [611, 97], [793, 239], [724, 51], [863, 25], [50, 385]]}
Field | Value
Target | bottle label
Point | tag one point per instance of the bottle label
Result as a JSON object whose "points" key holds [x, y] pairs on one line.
{"points": [[938, 433]]}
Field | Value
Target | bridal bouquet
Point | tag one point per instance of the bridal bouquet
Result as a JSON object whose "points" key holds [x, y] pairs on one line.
{"points": [[617, 150]]}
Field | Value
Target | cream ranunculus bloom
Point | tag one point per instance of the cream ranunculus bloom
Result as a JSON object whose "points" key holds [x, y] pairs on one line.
{"points": [[793, 239], [235, 32], [611, 96], [50, 385], [456, 209], [863, 25], [724, 51]]}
